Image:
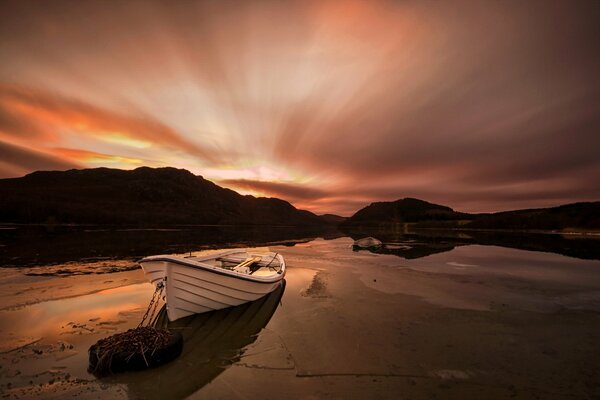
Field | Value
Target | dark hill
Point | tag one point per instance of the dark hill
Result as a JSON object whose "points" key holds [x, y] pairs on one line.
{"points": [[332, 219], [576, 216], [401, 211], [144, 196]]}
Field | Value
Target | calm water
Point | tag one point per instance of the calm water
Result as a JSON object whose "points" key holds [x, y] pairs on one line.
{"points": [[42, 245], [436, 314]]}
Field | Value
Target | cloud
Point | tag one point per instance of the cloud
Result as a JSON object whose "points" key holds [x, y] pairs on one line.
{"points": [[27, 113], [276, 189], [94, 158], [18, 161]]}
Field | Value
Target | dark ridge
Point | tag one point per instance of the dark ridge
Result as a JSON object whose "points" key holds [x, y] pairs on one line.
{"points": [[419, 213], [332, 219], [144, 196], [403, 211], [575, 216]]}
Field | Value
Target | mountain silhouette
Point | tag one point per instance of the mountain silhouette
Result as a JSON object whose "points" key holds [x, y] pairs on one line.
{"points": [[144, 196], [419, 213]]}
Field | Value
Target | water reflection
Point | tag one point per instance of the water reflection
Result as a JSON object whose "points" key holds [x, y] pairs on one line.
{"points": [[42, 246], [56, 334], [46, 245], [411, 248], [212, 342], [422, 243]]}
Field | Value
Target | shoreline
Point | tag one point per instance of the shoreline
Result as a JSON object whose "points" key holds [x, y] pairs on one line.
{"points": [[404, 228]]}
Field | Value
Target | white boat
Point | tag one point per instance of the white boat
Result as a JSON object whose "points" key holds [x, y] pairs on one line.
{"points": [[367, 243], [213, 342], [198, 284]]}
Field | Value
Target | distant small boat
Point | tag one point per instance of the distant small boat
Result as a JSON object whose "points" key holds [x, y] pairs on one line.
{"points": [[368, 243], [210, 282]]}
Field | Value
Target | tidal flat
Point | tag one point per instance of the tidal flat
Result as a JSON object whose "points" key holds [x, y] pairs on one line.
{"points": [[466, 322]]}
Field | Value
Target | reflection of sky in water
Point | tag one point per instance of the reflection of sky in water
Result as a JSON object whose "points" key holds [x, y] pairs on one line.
{"points": [[501, 261], [47, 318], [475, 260]]}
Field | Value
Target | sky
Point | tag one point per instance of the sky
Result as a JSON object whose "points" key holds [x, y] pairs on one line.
{"points": [[479, 105]]}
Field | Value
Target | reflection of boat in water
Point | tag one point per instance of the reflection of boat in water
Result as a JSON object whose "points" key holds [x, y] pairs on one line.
{"points": [[405, 246], [205, 283], [367, 243], [415, 250], [211, 343]]}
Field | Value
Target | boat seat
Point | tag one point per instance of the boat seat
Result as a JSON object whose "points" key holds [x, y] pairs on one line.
{"points": [[245, 267], [242, 269]]}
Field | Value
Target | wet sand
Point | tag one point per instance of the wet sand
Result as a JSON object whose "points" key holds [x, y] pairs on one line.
{"points": [[478, 322]]}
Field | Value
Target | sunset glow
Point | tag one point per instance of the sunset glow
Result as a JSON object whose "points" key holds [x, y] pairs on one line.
{"points": [[331, 105]]}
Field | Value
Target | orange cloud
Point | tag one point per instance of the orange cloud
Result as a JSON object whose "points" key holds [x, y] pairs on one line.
{"points": [[92, 157], [288, 191], [34, 114], [17, 161]]}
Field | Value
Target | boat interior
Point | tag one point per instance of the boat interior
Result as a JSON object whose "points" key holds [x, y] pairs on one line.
{"points": [[244, 262]]}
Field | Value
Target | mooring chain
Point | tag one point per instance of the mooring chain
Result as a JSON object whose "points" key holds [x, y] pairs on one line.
{"points": [[153, 303]]}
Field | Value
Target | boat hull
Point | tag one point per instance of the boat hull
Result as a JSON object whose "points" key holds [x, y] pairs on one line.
{"points": [[191, 290]]}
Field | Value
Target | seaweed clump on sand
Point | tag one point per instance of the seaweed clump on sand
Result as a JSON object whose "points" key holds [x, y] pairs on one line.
{"points": [[139, 348]]}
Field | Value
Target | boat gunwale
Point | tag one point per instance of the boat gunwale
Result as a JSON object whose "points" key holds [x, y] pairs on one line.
{"points": [[218, 270]]}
